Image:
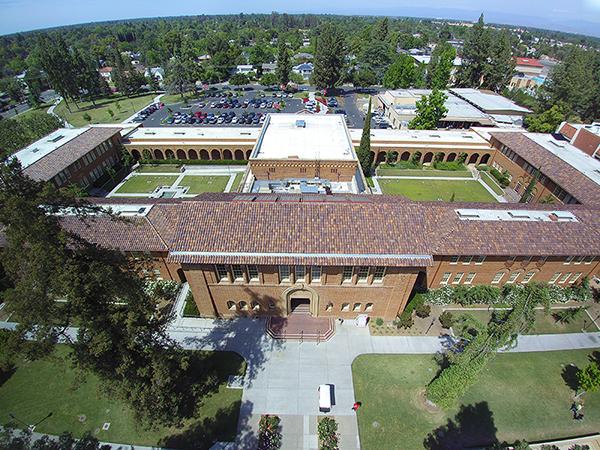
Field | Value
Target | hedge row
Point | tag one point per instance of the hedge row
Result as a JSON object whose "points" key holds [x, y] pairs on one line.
{"points": [[491, 295], [452, 165], [197, 162]]}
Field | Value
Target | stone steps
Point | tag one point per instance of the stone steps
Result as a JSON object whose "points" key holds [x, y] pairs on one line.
{"points": [[299, 326]]}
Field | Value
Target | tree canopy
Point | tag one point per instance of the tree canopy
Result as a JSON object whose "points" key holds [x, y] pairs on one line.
{"points": [[329, 58], [403, 73], [430, 110]]}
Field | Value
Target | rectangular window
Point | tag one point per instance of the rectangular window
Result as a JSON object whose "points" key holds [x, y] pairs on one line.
{"points": [[315, 274], [512, 278], [454, 259], [574, 278], [363, 274], [579, 259], [542, 259], [252, 273], [284, 274], [466, 260], [527, 278], [511, 259], [554, 278], [445, 278], [222, 274], [564, 278], [237, 272], [589, 260], [568, 260], [378, 274], [479, 260], [498, 277], [300, 273], [457, 278], [347, 274], [470, 277]]}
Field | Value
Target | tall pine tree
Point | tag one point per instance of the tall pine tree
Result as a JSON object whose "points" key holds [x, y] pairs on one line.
{"points": [[330, 55], [501, 64], [284, 65], [475, 56], [440, 67]]}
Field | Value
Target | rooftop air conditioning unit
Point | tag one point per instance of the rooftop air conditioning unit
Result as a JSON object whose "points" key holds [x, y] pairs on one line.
{"points": [[300, 123]]}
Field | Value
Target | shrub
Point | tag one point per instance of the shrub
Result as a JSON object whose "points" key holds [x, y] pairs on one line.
{"points": [[447, 319], [566, 316], [269, 433], [452, 165], [190, 309], [441, 296], [328, 435], [423, 311], [404, 322], [416, 157], [162, 289], [501, 178], [379, 321], [483, 167]]}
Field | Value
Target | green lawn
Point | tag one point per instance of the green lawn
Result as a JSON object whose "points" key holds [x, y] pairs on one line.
{"points": [[99, 113], [237, 181], [50, 385], [158, 168], [487, 179], [199, 184], [519, 396], [463, 190], [544, 323], [396, 172], [142, 184]]}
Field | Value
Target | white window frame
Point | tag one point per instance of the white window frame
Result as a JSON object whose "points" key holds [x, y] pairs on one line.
{"points": [[579, 260], [454, 259], [356, 307], [378, 274], [458, 277], [360, 277], [575, 277], [498, 277], [253, 274], [528, 277], [554, 277], [283, 278], [565, 278], [466, 260], [589, 259], [345, 307], [568, 260], [479, 260], [219, 273], [470, 277], [345, 278], [369, 307], [513, 277], [445, 278], [231, 305], [316, 272], [236, 270]]}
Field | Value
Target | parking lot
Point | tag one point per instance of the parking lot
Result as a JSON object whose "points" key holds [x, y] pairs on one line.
{"points": [[216, 109]]}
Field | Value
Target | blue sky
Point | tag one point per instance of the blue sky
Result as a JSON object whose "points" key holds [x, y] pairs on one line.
{"points": [[581, 16]]}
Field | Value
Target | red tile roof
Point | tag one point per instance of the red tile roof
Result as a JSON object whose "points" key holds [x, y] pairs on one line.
{"points": [[531, 62], [47, 167], [337, 230], [562, 173]]}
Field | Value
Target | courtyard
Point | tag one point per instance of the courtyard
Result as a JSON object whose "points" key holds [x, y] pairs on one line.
{"points": [[436, 190], [519, 396]]}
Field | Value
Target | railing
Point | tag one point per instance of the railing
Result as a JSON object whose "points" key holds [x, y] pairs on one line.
{"points": [[301, 336]]}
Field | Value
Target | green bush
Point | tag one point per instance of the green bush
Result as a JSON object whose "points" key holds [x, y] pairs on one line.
{"points": [[190, 309], [379, 321], [405, 165], [404, 321], [162, 289], [197, 162], [501, 178], [328, 435], [447, 319], [452, 165], [483, 167], [269, 432], [423, 311]]}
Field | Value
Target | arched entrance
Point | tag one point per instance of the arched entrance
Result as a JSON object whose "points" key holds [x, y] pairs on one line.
{"points": [[300, 299]]}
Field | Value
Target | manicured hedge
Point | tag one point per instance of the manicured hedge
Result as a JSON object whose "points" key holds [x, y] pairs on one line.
{"points": [[452, 165], [197, 162]]}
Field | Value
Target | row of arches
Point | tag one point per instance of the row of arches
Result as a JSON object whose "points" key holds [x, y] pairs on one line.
{"points": [[473, 158], [214, 154]]}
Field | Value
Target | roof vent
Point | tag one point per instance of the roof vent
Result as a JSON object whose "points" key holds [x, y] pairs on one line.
{"points": [[558, 143], [56, 138], [518, 215], [300, 123], [467, 214]]}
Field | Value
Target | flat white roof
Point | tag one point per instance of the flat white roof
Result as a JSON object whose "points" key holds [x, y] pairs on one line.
{"points": [[42, 147], [322, 137], [426, 59], [421, 135], [488, 101], [516, 215], [570, 154], [187, 133]]}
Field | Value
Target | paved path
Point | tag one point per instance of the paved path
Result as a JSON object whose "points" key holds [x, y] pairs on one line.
{"points": [[52, 113]]}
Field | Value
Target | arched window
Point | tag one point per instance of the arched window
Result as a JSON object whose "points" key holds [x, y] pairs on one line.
{"points": [[345, 306], [158, 154], [215, 154], [192, 154], [227, 154], [181, 154], [405, 156], [451, 157], [169, 154], [204, 154], [239, 155], [136, 155], [243, 305], [329, 307], [231, 305], [485, 158], [255, 306], [369, 307], [357, 307], [474, 157], [248, 153], [428, 157]]}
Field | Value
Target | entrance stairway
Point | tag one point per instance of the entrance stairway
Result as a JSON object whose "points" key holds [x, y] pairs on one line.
{"points": [[301, 326]]}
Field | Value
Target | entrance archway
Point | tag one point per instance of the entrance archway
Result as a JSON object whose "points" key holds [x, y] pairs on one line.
{"points": [[301, 299]]}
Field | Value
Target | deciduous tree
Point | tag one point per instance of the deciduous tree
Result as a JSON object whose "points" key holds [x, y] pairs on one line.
{"points": [[475, 56], [430, 110], [440, 67], [403, 73]]}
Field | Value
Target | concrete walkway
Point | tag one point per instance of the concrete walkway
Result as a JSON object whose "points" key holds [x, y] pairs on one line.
{"points": [[52, 113]]}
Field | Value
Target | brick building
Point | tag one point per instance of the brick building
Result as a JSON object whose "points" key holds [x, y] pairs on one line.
{"points": [[584, 137], [73, 155], [344, 255]]}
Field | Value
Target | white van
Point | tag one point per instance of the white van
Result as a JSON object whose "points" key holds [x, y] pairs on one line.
{"points": [[325, 397]]}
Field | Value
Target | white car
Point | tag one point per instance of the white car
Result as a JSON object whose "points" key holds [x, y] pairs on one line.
{"points": [[234, 120], [324, 397]]}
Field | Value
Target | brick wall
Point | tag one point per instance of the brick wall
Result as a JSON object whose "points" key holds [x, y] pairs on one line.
{"points": [[342, 171], [587, 141]]}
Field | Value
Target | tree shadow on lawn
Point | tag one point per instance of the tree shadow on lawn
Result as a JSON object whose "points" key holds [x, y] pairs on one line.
{"points": [[473, 425], [569, 375]]}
